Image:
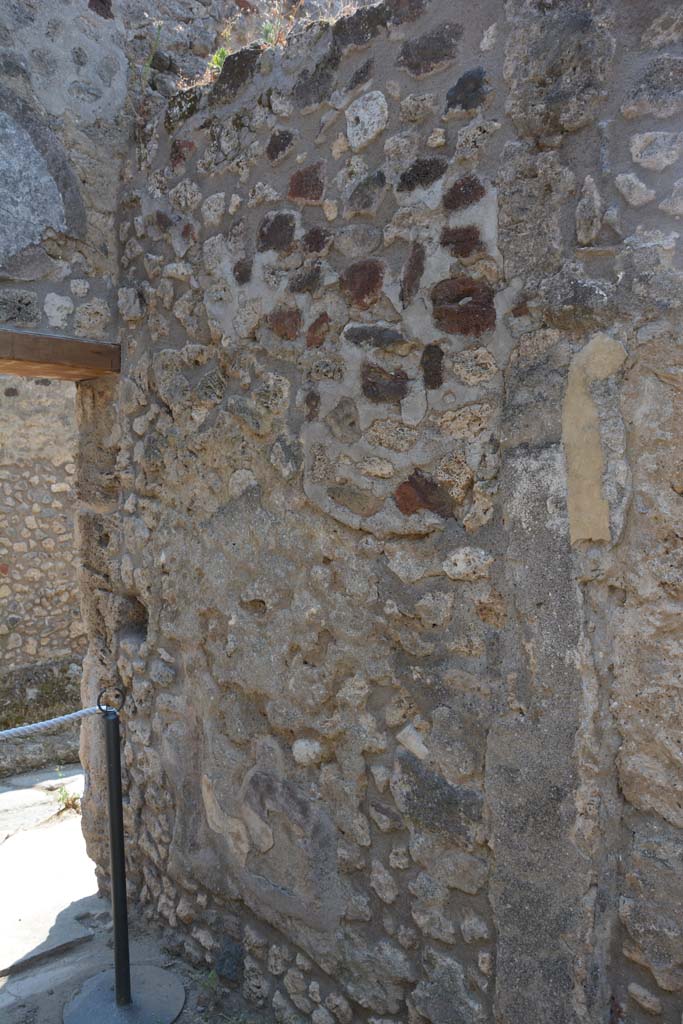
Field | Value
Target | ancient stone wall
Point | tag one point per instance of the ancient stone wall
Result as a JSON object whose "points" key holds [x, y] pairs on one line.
{"points": [[383, 539], [75, 81]]}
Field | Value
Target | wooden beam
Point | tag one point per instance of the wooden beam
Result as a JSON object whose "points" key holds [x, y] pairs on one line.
{"points": [[26, 354]]}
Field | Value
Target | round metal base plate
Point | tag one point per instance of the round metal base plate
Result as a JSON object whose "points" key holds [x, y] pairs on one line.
{"points": [[158, 998]]}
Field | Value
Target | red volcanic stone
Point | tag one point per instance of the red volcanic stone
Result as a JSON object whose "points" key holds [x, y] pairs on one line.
{"points": [[4, 569], [461, 241], [379, 385], [285, 322], [412, 273], [420, 491], [432, 367], [423, 173], [316, 239], [308, 184], [362, 282], [463, 193], [463, 305], [317, 332]]}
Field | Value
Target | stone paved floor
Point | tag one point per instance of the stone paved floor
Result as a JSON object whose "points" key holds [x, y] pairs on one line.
{"points": [[56, 930]]}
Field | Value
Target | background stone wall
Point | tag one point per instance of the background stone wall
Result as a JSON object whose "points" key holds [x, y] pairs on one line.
{"points": [[42, 636], [383, 540]]}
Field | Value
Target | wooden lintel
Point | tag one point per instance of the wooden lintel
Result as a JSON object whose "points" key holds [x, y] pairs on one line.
{"points": [[26, 354]]}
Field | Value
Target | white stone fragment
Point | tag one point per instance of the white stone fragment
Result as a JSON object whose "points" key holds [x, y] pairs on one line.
{"points": [[474, 928], [80, 287], [240, 481], [467, 564], [235, 203], [366, 118], [635, 192], [213, 209], [437, 139], [414, 405], [674, 204], [656, 150], [647, 1000], [261, 192], [129, 305], [58, 308], [488, 40], [307, 752], [330, 209], [383, 882], [340, 146], [412, 740], [322, 1016], [376, 467]]}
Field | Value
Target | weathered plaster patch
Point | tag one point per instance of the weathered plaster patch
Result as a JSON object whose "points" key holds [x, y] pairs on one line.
{"points": [[588, 509]]}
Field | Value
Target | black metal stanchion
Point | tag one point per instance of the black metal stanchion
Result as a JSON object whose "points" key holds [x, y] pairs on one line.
{"points": [[119, 905], [155, 996]]}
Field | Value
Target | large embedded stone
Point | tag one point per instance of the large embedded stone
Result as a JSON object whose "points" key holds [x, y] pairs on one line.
{"points": [[317, 239], [314, 86], [358, 501], [366, 118], [367, 195], [372, 335], [307, 280], [280, 142], [381, 385], [659, 91], [656, 150], [430, 802], [446, 997], [463, 305], [180, 107], [362, 282], [308, 184], [462, 241], [432, 51], [556, 68], [422, 173], [431, 363], [238, 69], [19, 307], [463, 193], [285, 321], [276, 232], [343, 421], [420, 491], [469, 92]]}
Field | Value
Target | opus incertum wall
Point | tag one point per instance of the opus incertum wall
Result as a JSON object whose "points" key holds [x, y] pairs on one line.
{"points": [[384, 540]]}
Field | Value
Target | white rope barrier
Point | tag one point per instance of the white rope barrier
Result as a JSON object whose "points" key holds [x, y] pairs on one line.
{"points": [[25, 730]]}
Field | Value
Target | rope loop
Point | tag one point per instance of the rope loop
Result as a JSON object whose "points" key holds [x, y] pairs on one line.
{"points": [[111, 705]]}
